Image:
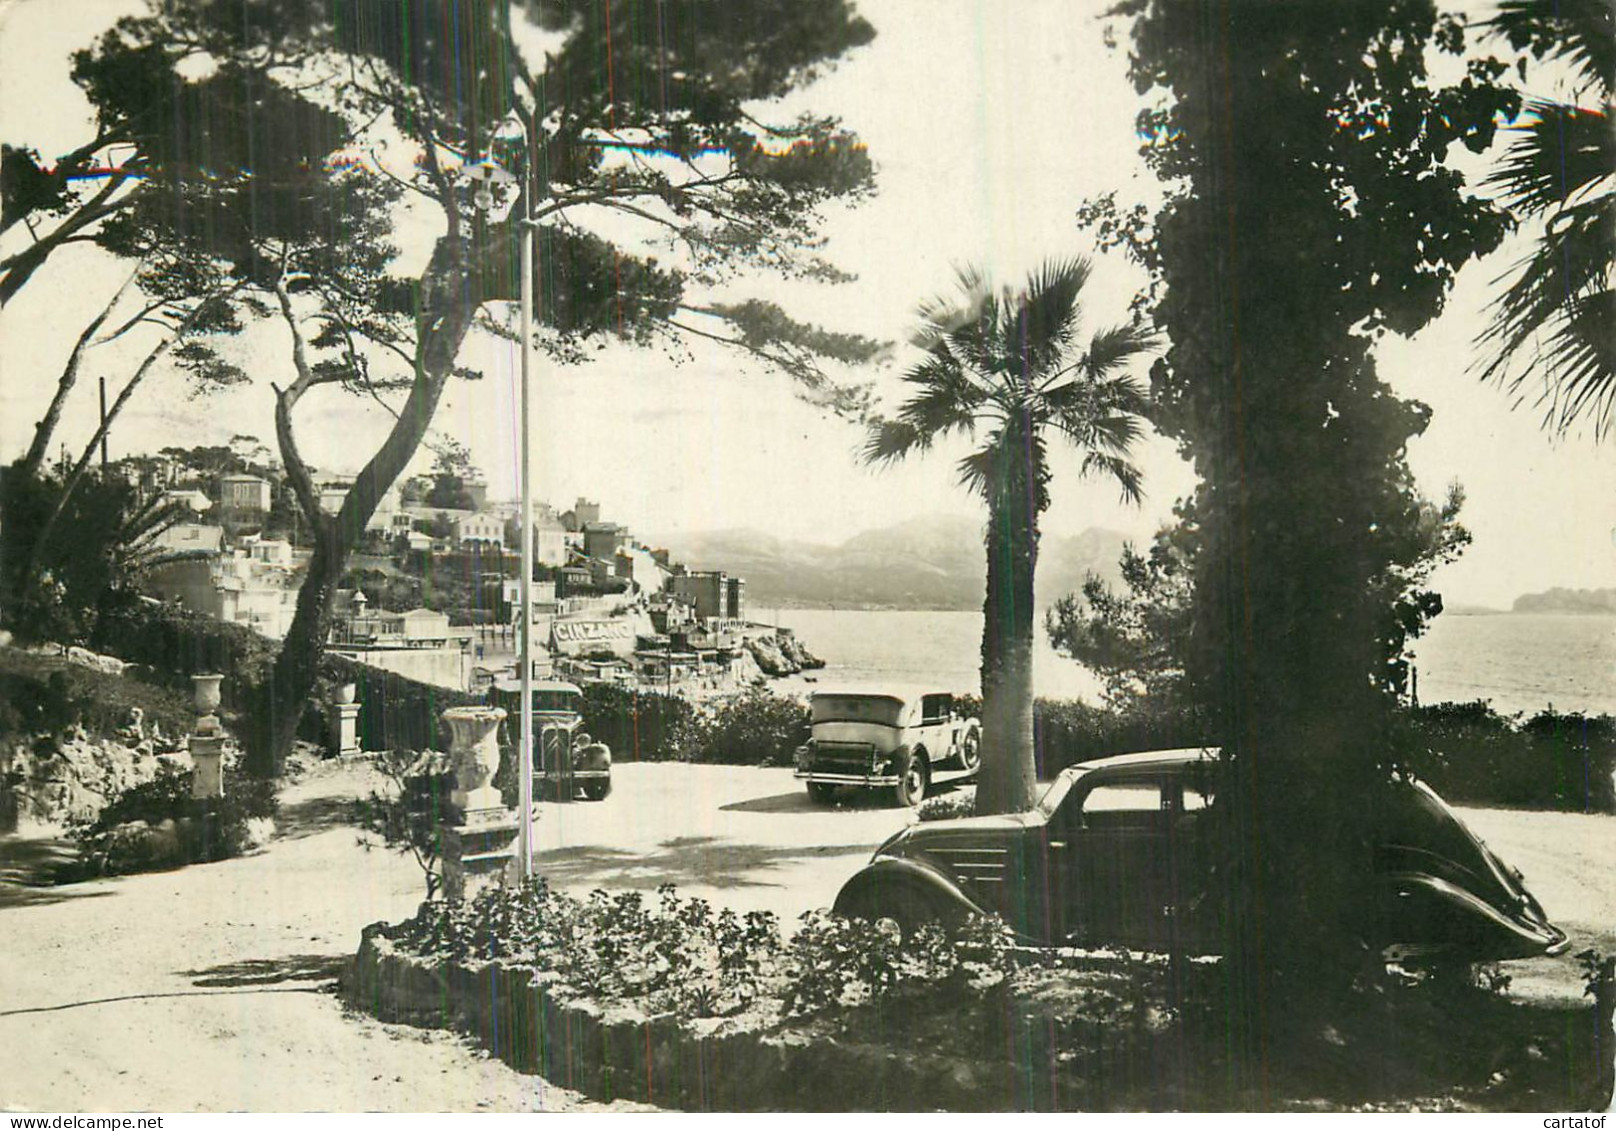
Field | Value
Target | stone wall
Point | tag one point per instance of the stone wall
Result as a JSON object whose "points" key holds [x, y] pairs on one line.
{"points": [[70, 776]]}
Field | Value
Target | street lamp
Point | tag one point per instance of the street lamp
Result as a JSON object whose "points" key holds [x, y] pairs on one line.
{"points": [[489, 174]]}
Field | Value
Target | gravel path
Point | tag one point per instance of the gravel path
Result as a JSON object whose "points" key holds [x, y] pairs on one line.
{"points": [[212, 988]]}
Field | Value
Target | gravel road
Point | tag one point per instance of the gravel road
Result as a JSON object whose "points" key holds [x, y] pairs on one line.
{"points": [[211, 988]]}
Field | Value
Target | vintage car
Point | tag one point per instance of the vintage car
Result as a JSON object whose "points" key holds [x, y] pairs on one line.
{"points": [[897, 740], [1118, 852], [566, 761]]}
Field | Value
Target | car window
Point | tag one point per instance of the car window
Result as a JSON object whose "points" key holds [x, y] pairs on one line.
{"points": [[1196, 798], [857, 709], [935, 709], [1129, 798]]}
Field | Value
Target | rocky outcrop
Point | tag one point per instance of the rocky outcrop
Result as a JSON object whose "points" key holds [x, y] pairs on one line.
{"points": [[781, 654], [71, 775]]}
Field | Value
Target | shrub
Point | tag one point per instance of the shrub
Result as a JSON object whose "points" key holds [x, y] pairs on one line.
{"points": [[1470, 754], [680, 955], [947, 806], [1067, 731], [408, 813], [639, 726], [158, 823], [676, 955], [42, 694], [756, 729]]}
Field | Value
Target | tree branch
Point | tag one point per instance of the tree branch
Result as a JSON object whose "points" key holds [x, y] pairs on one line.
{"points": [[20, 267], [46, 427]]}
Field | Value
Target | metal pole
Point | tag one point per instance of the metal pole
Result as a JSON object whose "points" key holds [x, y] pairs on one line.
{"points": [[525, 764], [103, 424]]}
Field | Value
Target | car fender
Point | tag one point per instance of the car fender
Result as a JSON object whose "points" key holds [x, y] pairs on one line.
{"points": [[595, 756], [891, 872], [1489, 925]]}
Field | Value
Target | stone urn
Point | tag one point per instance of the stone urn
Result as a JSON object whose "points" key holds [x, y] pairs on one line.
{"points": [[346, 693], [205, 690], [474, 755]]}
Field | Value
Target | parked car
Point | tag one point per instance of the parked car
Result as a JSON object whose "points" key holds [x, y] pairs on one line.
{"points": [[566, 760], [898, 740], [1118, 851]]}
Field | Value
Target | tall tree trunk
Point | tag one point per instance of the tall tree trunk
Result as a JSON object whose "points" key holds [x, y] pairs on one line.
{"points": [[448, 308], [1008, 780]]}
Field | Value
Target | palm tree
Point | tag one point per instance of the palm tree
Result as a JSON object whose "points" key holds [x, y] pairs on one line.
{"points": [[1557, 312], [1003, 368]]}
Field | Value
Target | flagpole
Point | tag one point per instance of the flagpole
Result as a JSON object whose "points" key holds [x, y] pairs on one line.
{"points": [[525, 764]]}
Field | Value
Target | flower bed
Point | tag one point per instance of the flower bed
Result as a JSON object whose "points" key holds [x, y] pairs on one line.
{"points": [[673, 1003], [677, 1005]]}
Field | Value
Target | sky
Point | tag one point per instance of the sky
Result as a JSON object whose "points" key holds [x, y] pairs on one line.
{"points": [[988, 124]]}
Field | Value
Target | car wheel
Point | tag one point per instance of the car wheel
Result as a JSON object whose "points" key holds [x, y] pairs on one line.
{"points": [[821, 792], [913, 777], [970, 755], [902, 910], [597, 789]]}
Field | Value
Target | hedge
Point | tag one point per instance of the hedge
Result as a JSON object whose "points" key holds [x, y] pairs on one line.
{"points": [[1467, 752]]}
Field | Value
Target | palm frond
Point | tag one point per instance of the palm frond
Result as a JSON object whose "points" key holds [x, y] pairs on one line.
{"points": [[1572, 261], [1122, 470], [1116, 346], [1558, 151], [979, 471], [942, 315], [1078, 404], [889, 441], [1046, 316], [1582, 357], [1582, 32], [945, 400]]}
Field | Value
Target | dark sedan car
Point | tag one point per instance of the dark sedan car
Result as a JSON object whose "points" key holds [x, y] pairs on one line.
{"points": [[1118, 851]]}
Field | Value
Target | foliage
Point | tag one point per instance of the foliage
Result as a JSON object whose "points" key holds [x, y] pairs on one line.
{"points": [[680, 955], [305, 233], [69, 574], [676, 955], [42, 694], [451, 471], [1102, 1030], [408, 812], [639, 726], [1310, 207], [1553, 318], [159, 824], [1471, 755], [1008, 363], [1134, 641], [948, 806], [1137, 641], [756, 728]]}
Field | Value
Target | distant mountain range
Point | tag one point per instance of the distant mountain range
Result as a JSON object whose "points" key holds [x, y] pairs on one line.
{"points": [[933, 562], [1567, 601]]}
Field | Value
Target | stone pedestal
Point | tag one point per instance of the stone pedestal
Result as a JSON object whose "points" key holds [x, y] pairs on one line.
{"points": [[477, 854], [207, 758], [344, 729], [479, 830], [207, 741]]}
